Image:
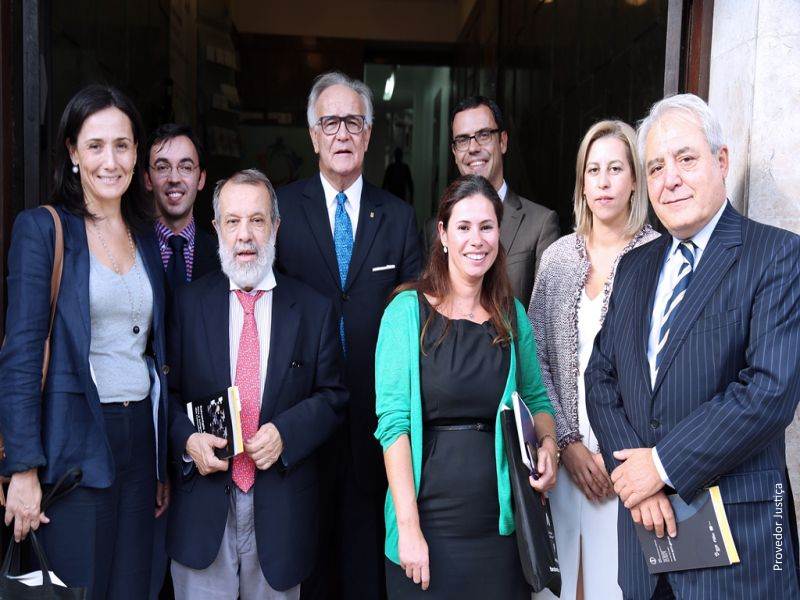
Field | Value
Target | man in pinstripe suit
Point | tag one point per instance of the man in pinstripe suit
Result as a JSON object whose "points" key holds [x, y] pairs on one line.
{"points": [[693, 379]]}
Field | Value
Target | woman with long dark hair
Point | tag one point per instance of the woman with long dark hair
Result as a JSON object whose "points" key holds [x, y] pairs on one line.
{"points": [[452, 349], [103, 406]]}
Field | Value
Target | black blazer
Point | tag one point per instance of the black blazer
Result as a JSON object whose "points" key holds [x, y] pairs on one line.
{"points": [[205, 257], [303, 397], [386, 240]]}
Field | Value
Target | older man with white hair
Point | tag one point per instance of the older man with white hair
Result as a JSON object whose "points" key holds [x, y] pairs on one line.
{"points": [[246, 527], [353, 243], [693, 379]]}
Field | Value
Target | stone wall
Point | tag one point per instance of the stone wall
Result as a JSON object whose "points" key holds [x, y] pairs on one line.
{"points": [[755, 90]]}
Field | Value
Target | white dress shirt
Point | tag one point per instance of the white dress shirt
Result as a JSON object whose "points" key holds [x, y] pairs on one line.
{"points": [[263, 314], [666, 283], [503, 191], [352, 206]]}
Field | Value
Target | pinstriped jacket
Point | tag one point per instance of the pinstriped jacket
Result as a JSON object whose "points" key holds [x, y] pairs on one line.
{"points": [[726, 390], [553, 312]]}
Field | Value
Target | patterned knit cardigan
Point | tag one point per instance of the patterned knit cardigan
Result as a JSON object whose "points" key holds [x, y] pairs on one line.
{"points": [[553, 312]]}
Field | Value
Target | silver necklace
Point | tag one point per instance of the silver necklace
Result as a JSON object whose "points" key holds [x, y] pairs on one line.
{"points": [[136, 310], [469, 315]]}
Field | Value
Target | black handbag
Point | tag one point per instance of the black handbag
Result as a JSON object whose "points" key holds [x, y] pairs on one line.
{"points": [[536, 539], [12, 589]]}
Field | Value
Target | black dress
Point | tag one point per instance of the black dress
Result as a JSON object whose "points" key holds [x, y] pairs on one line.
{"points": [[462, 381]]}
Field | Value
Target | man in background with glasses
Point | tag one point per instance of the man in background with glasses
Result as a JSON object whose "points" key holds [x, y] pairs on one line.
{"points": [[478, 143], [354, 243], [175, 174]]}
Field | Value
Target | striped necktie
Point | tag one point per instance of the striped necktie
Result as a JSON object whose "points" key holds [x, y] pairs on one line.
{"points": [[685, 272], [343, 242]]}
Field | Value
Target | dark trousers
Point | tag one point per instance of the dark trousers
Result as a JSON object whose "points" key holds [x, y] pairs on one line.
{"points": [[160, 578], [102, 539], [350, 558]]}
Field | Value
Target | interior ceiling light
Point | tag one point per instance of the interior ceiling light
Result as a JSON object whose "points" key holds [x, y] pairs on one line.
{"points": [[388, 89]]}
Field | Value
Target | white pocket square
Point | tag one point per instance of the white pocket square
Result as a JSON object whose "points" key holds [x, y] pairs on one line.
{"points": [[383, 268]]}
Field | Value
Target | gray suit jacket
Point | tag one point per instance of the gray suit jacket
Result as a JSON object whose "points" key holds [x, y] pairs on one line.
{"points": [[526, 231]]}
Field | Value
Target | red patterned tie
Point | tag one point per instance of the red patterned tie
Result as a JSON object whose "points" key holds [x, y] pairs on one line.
{"points": [[248, 380]]}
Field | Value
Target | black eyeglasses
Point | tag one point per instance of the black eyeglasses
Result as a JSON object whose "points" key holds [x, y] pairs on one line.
{"points": [[163, 169], [353, 123], [483, 137]]}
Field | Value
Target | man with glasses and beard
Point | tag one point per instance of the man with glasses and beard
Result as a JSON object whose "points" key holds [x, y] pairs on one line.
{"points": [[479, 142], [246, 527], [354, 243], [175, 174]]}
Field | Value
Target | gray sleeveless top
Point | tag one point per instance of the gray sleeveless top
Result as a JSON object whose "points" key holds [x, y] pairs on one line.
{"points": [[116, 353]]}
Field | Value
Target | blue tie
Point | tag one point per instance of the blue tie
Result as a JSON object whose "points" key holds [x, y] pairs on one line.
{"points": [[343, 241], [678, 292]]}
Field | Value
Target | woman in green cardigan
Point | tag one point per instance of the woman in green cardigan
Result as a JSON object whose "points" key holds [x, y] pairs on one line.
{"points": [[446, 364]]}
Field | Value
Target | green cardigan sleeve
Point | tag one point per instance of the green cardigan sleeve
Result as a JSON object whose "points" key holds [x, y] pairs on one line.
{"points": [[533, 392], [394, 366], [397, 394]]}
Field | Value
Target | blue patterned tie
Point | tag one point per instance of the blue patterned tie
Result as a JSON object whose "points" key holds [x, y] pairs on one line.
{"points": [[678, 292], [343, 241]]}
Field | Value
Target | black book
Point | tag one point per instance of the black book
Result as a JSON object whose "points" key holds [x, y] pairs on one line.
{"points": [[219, 415], [704, 537]]}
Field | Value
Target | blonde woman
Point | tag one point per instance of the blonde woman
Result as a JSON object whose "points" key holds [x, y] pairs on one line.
{"points": [[567, 308]]}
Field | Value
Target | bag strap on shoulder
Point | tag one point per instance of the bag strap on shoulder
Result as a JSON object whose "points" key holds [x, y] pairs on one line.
{"points": [[55, 284]]}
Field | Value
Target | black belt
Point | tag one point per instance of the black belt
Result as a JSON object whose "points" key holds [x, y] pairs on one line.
{"points": [[479, 426]]}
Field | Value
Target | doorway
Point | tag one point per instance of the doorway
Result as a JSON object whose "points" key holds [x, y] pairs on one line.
{"points": [[411, 104]]}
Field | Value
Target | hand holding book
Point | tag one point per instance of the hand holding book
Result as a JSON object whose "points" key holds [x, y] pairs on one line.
{"points": [[542, 464], [703, 540], [202, 448]]}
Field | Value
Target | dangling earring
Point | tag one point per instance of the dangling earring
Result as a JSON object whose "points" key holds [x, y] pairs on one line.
{"points": [[75, 169], [445, 249]]}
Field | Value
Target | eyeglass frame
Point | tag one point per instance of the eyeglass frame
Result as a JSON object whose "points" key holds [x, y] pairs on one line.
{"points": [[460, 139], [168, 168], [340, 121]]}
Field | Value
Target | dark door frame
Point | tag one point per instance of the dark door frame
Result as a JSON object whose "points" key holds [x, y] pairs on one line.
{"points": [[6, 145], [688, 50]]}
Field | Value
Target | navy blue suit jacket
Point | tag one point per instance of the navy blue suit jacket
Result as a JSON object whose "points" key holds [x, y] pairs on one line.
{"points": [[725, 392], [63, 427], [303, 397], [386, 237]]}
